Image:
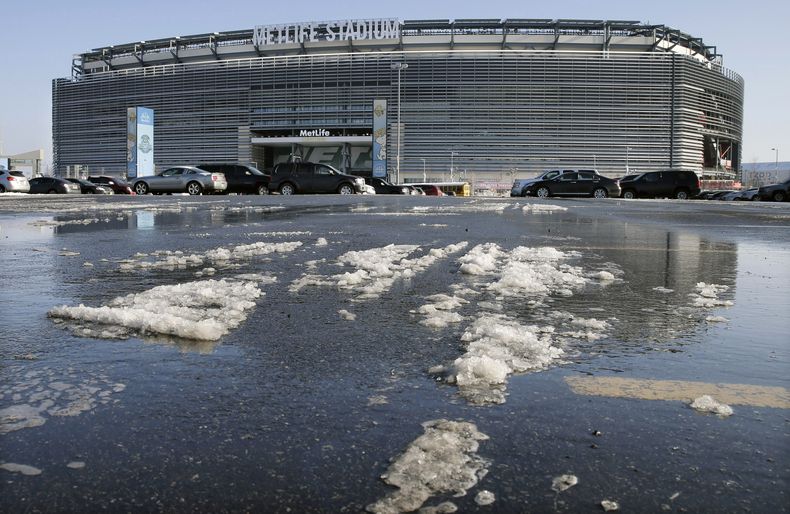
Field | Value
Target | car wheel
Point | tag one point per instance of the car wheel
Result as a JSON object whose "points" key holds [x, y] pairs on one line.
{"points": [[756, 198], [2, 189], [780, 196], [543, 192], [193, 188], [141, 188], [287, 189], [682, 194], [600, 193], [628, 194], [345, 189], [262, 190]]}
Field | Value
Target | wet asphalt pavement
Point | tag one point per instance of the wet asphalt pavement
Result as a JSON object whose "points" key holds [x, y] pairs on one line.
{"points": [[300, 410]]}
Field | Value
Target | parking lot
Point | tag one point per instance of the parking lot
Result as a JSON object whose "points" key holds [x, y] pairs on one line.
{"points": [[389, 353]]}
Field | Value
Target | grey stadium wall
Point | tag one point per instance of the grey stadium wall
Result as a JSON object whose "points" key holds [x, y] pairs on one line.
{"points": [[507, 109]]}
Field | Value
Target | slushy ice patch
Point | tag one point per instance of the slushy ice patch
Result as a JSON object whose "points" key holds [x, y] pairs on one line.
{"points": [[202, 310], [38, 394], [442, 460], [707, 296]]}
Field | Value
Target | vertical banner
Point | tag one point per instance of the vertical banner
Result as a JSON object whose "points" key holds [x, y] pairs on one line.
{"points": [[379, 138], [139, 142]]}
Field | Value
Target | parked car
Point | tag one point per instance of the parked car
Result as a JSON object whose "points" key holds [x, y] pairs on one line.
{"points": [[118, 186], [712, 194], [383, 187], [546, 175], [289, 178], [13, 181], [51, 185], [573, 183], [740, 196], [241, 178], [87, 187], [680, 184], [776, 192], [181, 179]]}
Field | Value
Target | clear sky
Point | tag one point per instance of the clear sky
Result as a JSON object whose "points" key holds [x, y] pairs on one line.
{"points": [[39, 38]]}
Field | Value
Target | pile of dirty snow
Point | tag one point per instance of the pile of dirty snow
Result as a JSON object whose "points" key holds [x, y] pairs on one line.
{"points": [[202, 310]]}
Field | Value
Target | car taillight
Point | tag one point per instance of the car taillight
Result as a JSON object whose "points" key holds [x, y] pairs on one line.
{"points": [[214, 178], [10, 178]]}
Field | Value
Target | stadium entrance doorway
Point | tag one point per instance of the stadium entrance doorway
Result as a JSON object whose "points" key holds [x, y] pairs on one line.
{"points": [[349, 154]]}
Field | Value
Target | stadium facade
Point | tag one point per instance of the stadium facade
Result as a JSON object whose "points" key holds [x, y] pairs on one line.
{"points": [[486, 97]]}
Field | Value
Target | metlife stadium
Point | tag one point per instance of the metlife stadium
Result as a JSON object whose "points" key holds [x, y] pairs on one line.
{"points": [[485, 97]]}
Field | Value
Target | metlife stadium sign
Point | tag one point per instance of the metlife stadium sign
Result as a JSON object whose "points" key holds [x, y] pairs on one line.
{"points": [[313, 32], [139, 142]]}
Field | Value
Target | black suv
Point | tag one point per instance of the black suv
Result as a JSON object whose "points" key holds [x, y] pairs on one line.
{"points": [[241, 178], [307, 177], [776, 192], [383, 187], [678, 184]]}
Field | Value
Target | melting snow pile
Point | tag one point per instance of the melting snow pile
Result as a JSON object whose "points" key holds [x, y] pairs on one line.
{"points": [[442, 460], [537, 208], [170, 260], [377, 269], [203, 310], [497, 347], [707, 296], [706, 403], [497, 344]]}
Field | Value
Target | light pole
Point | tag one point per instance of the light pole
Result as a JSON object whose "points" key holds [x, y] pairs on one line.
{"points": [[595, 162], [452, 154], [399, 66], [776, 161], [424, 178]]}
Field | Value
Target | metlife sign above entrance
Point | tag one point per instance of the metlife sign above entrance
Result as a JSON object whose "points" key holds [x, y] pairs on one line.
{"points": [[314, 32]]}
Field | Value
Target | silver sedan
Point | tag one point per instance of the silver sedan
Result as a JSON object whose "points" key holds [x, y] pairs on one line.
{"points": [[182, 179]]}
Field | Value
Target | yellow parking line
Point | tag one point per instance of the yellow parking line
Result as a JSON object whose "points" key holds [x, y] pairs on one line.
{"points": [[680, 390]]}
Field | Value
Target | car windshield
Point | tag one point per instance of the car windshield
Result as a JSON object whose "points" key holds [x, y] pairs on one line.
{"points": [[255, 171], [16, 173]]}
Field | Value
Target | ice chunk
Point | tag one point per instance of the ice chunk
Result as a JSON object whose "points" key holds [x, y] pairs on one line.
{"points": [[348, 316], [706, 403], [563, 483], [202, 310], [537, 208], [20, 468], [716, 319], [442, 460], [76, 464], [321, 242], [485, 498], [663, 290], [610, 505]]}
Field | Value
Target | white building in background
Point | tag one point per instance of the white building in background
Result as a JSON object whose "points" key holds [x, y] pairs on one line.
{"points": [[757, 174], [30, 163]]}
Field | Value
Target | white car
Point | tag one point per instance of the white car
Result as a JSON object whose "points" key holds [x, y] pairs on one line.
{"points": [[13, 181]]}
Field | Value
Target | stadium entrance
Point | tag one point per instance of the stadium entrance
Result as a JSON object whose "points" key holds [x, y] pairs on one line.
{"points": [[350, 153]]}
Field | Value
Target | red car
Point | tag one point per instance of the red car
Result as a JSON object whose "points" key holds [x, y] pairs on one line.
{"points": [[431, 190]]}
